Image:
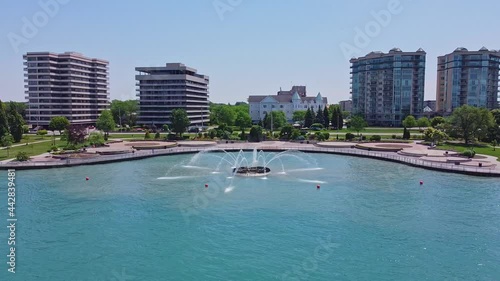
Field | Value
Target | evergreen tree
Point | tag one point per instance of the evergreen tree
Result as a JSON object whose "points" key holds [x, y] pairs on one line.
{"points": [[340, 118], [309, 119], [406, 134], [335, 118], [16, 123], [266, 123], [4, 124], [326, 117], [319, 116]]}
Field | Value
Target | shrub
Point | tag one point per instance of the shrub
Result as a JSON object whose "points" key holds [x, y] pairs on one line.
{"points": [[295, 134], [41, 133], [255, 134], [393, 137], [53, 148], [470, 153], [96, 139], [147, 135], [375, 138], [349, 136], [301, 138], [317, 127], [212, 133], [22, 156], [157, 136]]}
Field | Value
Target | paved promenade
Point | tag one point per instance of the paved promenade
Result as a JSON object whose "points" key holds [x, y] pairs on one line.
{"points": [[431, 160]]}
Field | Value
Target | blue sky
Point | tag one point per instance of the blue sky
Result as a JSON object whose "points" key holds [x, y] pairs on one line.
{"points": [[245, 46]]}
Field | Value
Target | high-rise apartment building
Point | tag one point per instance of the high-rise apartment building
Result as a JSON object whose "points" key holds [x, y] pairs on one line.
{"points": [[163, 89], [467, 78], [67, 84], [387, 87]]}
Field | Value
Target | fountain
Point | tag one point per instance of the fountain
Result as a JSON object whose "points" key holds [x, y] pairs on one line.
{"points": [[225, 167]]}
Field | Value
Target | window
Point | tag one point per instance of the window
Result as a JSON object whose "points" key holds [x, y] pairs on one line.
{"points": [[281, 106]]}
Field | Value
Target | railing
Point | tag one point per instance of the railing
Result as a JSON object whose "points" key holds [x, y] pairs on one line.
{"points": [[391, 156]]}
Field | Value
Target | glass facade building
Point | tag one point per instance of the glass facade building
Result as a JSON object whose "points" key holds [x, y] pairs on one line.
{"points": [[387, 87], [467, 78]]}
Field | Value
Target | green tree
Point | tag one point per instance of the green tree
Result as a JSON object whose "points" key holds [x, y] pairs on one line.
{"points": [[326, 117], [357, 124], [337, 118], [471, 122], [319, 116], [434, 135], [106, 123], [41, 133], [423, 122], [58, 123], [222, 114], [19, 107], [406, 134], [308, 118], [243, 119], [124, 112], [286, 132], [6, 141], [180, 121], [255, 134], [410, 122], [4, 123], [278, 119], [16, 122], [299, 115], [437, 120]]}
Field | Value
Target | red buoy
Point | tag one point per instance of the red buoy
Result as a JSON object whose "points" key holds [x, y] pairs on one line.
{"points": [[206, 185], [87, 178], [421, 182], [318, 186]]}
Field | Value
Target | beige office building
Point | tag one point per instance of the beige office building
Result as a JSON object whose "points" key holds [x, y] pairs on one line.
{"points": [[67, 84]]}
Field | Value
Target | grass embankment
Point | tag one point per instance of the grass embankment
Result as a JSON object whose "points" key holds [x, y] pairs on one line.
{"points": [[30, 149], [479, 149]]}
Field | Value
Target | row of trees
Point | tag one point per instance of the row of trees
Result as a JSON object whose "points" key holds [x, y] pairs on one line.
{"points": [[231, 115], [466, 122], [12, 124], [326, 116]]}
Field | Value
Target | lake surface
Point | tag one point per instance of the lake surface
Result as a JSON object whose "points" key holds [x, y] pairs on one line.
{"points": [[154, 219]]}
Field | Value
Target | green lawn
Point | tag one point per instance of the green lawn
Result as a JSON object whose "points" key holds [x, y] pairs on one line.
{"points": [[479, 149], [30, 149]]}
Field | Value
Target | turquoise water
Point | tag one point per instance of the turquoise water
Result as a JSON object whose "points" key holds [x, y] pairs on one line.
{"points": [[370, 220]]}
